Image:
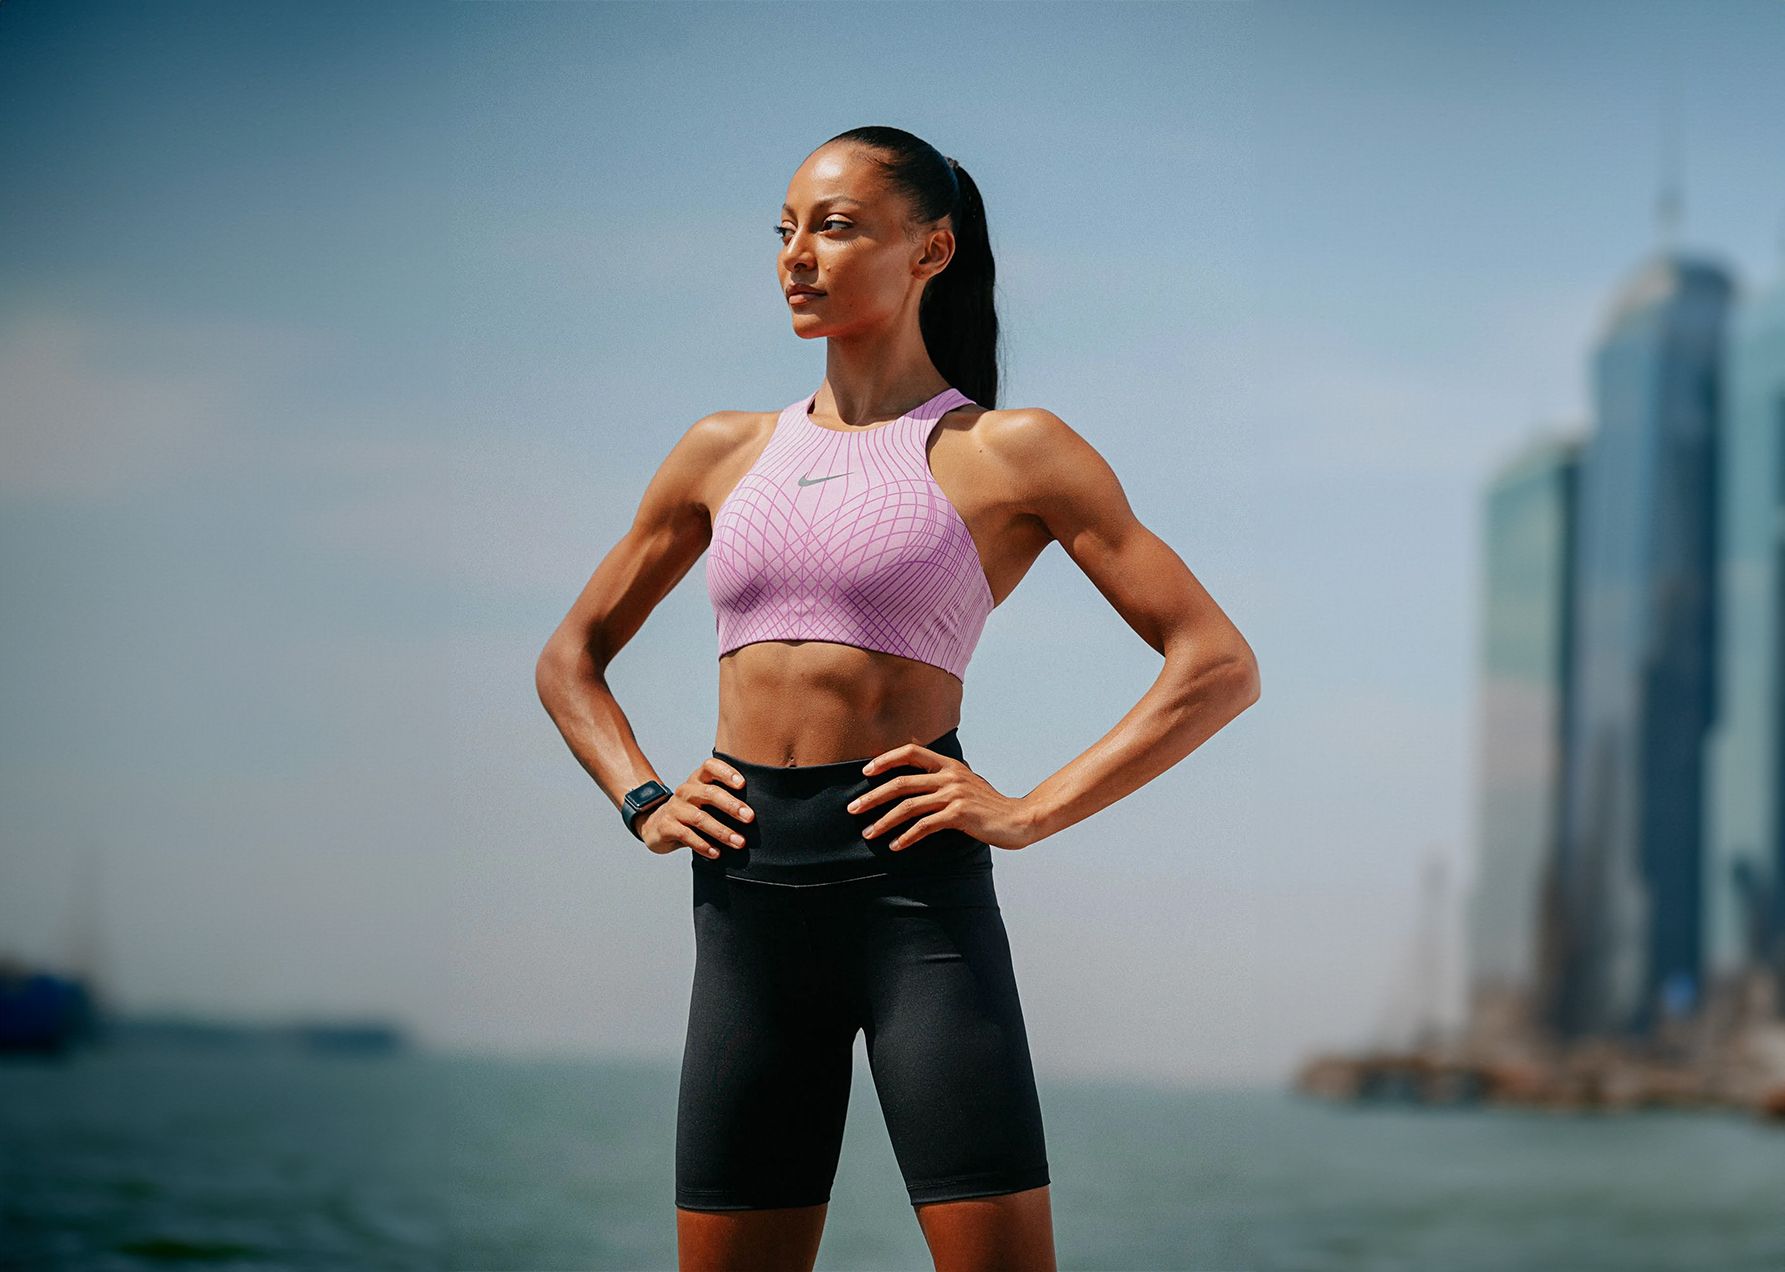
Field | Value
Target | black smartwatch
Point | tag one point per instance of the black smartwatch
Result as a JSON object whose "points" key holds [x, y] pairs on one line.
{"points": [[639, 800]]}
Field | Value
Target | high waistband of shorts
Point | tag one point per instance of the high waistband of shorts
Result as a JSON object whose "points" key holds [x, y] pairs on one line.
{"points": [[798, 781], [803, 832]]}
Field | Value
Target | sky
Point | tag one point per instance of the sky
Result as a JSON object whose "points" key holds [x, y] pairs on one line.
{"points": [[338, 342]]}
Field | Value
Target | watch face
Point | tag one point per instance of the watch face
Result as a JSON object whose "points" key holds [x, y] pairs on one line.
{"points": [[648, 792]]}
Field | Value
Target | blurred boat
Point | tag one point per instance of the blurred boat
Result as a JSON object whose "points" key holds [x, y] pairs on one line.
{"points": [[43, 1012]]}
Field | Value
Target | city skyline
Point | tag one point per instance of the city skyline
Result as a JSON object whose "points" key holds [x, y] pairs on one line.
{"points": [[349, 337]]}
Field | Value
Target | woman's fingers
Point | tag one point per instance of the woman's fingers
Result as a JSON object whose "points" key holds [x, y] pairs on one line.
{"points": [[684, 831], [904, 811], [917, 830], [891, 788], [714, 828], [665, 831], [714, 784], [903, 794], [714, 769], [906, 753], [717, 797], [894, 787], [700, 844], [714, 797]]}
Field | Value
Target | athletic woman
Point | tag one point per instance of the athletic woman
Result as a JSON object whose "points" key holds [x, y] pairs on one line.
{"points": [[839, 840]]}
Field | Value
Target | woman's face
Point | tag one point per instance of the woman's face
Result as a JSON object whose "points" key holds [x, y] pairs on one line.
{"points": [[846, 234]]}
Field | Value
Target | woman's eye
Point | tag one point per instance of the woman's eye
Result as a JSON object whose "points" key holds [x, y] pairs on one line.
{"points": [[782, 231]]}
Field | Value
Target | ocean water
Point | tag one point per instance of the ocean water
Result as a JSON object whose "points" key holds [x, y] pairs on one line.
{"points": [[240, 1158]]}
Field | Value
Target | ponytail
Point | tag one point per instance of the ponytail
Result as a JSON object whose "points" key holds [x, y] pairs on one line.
{"points": [[957, 315]]}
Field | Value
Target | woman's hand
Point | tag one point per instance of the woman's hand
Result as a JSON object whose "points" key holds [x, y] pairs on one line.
{"points": [[678, 822], [949, 794]]}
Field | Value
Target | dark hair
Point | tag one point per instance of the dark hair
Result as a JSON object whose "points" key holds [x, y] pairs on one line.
{"points": [[957, 316]]}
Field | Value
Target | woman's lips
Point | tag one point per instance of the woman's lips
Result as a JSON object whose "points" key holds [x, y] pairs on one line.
{"points": [[801, 297]]}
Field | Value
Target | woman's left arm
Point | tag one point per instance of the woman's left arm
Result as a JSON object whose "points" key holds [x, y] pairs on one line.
{"points": [[1210, 674]]}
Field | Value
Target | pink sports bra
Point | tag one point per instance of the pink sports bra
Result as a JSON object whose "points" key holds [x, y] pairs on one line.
{"points": [[846, 537]]}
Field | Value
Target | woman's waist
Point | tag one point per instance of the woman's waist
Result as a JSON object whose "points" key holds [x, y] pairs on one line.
{"points": [[813, 861], [833, 782], [803, 831]]}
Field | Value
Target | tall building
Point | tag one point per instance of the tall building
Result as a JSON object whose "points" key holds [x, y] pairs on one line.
{"points": [[1642, 688], [1527, 537], [1744, 875]]}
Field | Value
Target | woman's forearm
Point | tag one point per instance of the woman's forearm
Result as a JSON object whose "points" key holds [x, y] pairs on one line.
{"points": [[574, 691], [1192, 699]]}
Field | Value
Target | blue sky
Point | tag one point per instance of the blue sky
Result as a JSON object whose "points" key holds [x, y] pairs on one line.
{"points": [[338, 342]]}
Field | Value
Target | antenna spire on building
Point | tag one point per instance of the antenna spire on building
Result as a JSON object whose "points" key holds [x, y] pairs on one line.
{"points": [[1670, 198]]}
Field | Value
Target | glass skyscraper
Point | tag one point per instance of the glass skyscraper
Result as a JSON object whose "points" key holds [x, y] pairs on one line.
{"points": [[1641, 683], [1744, 832], [1527, 537]]}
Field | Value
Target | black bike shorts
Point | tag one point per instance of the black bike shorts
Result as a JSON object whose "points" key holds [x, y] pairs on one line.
{"points": [[909, 948]]}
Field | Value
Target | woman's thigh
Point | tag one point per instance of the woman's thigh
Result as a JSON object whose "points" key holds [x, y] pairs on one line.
{"points": [[767, 1060], [946, 1041]]}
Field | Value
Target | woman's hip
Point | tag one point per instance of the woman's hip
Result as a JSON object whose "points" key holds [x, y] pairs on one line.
{"points": [[803, 834]]}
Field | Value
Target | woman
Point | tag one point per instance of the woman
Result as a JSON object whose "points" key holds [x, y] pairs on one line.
{"points": [[840, 842]]}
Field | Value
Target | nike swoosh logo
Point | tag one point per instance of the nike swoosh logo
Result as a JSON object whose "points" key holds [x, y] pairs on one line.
{"points": [[813, 481]]}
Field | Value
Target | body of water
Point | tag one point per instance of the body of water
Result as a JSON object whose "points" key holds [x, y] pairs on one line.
{"points": [[265, 1158]]}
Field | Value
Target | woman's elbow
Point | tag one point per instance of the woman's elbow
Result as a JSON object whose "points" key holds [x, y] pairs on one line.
{"points": [[1249, 682], [1245, 675], [553, 669]]}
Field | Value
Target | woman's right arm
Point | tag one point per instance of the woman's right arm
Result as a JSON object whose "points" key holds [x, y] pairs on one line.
{"points": [[668, 533]]}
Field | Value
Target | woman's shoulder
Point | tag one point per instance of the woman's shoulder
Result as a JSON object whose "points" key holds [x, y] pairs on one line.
{"points": [[1032, 451], [1017, 428], [722, 444], [726, 429]]}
